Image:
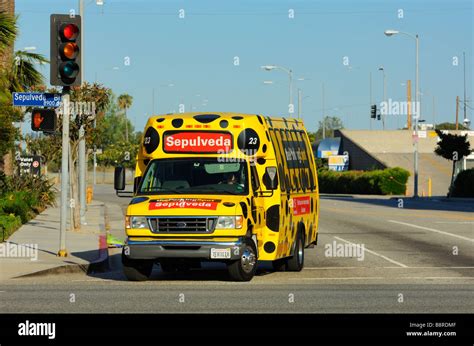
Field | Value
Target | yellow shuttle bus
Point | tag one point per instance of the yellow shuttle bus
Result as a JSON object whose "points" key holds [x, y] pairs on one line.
{"points": [[222, 187]]}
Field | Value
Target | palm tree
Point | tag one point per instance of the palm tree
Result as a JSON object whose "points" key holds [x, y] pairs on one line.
{"points": [[23, 73], [125, 102], [8, 33], [17, 73], [8, 30]]}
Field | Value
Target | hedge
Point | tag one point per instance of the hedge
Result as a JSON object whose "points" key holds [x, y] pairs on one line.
{"points": [[390, 181], [464, 184]]}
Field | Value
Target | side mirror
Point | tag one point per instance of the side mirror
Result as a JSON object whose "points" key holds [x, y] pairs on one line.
{"points": [[270, 178], [119, 178]]}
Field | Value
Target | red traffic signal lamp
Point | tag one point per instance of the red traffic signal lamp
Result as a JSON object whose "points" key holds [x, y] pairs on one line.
{"points": [[65, 50], [43, 120]]}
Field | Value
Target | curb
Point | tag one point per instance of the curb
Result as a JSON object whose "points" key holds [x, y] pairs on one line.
{"points": [[98, 266]]}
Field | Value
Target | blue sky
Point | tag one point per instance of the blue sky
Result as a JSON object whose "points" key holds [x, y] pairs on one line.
{"points": [[196, 53]]}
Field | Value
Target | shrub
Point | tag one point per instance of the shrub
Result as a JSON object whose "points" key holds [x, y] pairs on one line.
{"points": [[8, 224], [464, 184], [22, 204], [391, 181]]}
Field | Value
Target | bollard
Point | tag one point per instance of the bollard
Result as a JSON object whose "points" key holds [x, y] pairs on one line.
{"points": [[429, 187], [89, 194]]}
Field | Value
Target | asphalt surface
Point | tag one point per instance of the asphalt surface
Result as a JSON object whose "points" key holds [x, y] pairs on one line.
{"points": [[418, 257]]}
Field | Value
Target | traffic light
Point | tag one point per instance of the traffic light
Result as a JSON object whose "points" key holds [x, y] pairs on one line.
{"points": [[43, 120], [373, 111], [65, 62]]}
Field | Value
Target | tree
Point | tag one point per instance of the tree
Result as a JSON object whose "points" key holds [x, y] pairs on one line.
{"points": [[450, 126], [453, 148], [330, 124], [312, 137], [23, 73], [124, 103], [8, 33]]}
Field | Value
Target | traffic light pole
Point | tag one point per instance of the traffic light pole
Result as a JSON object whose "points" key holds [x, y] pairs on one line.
{"points": [[64, 173]]}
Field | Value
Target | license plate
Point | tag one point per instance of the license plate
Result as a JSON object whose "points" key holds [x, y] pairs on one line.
{"points": [[220, 253]]}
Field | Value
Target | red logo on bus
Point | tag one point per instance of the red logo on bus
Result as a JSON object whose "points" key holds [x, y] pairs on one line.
{"points": [[301, 205], [199, 142], [187, 203]]}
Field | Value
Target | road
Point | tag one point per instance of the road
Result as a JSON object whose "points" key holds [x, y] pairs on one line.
{"points": [[419, 257]]}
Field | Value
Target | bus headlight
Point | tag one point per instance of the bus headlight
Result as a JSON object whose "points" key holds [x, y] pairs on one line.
{"points": [[136, 222], [227, 222]]}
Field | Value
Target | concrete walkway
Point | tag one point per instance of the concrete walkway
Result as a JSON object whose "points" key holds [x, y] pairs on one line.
{"points": [[32, 249]]}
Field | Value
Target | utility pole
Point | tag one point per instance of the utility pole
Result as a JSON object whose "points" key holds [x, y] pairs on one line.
{"points": [[457, 113], [409, 127], [324, 119], [417, 116], [370, 96], [465, 100], [82, 142]]}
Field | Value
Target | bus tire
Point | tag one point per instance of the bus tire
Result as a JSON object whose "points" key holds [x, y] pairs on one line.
{"points": [[244, 268], [136, 270], [296, 262]]}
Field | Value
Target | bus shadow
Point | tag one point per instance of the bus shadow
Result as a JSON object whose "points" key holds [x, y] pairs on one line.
{"points": [[214, 271]]}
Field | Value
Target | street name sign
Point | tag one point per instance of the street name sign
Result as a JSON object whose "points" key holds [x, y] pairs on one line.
{"points": [[36, 99]]}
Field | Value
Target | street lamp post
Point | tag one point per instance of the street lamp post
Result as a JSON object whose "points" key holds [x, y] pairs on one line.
{"points": [[381, 68], [417, 107], [290, 76]]}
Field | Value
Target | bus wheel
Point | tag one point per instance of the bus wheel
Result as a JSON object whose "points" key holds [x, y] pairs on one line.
{"points": [[136, 270], [296, 262], [244, 268]]}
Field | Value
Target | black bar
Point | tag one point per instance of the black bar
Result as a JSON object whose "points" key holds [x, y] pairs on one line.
{"points": [[243, 329]]}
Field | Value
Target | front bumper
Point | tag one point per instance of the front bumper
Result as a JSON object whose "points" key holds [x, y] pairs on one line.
{"points": [[156, 249]]}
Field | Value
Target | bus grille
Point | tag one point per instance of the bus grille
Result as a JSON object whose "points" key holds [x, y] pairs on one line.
{"points": [[182, 224]]}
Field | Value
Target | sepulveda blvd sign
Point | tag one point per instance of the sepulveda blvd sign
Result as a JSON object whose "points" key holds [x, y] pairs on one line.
{"points": [[36, 99]]}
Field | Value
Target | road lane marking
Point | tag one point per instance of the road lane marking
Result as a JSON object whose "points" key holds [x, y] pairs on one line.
{"points": [[375, 253], [432, 230], [418, 213]]}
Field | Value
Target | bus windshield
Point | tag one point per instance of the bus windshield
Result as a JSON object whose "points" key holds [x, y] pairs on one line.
{"points": [[194, 176]]}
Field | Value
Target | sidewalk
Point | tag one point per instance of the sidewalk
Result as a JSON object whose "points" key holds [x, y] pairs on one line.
{"points": [[87, 248]]}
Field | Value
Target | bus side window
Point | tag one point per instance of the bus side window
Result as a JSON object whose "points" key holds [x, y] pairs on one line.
{"points": [[304, 158], [281, 159], [294, 162], [299, 162], [311, 165]]}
